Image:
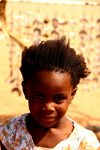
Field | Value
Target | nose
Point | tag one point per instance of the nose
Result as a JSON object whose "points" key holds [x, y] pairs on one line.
{"points": [[48, 107]]}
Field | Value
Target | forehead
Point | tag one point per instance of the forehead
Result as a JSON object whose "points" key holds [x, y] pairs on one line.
{"points": [[51, 80]]}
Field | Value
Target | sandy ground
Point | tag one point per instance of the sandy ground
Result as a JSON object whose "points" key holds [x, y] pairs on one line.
{"points": [[85, 108]]}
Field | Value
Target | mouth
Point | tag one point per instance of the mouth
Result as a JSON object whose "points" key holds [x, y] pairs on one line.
{"points": [[47, 118]]}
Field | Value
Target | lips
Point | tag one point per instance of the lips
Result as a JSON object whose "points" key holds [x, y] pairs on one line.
{"points": [[47, 117]]}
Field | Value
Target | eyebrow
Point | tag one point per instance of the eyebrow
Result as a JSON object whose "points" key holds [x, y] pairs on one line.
{"points": [[38, 93], [60, 94]]}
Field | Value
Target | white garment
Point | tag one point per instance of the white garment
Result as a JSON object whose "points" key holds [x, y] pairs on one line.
{"points": [[15, 136]]}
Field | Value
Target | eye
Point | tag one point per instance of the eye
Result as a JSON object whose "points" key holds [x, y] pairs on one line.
{"points": [[38, 96], [60, 99]]}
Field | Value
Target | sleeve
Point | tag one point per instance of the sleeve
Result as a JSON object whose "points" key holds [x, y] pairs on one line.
{"points": [[6, 134], [89, 142]]}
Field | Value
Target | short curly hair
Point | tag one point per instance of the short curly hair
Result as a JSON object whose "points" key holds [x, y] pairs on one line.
{"points": [[53, 55]]}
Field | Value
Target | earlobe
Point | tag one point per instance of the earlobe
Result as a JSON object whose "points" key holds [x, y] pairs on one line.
{"points": [[24, 87]]}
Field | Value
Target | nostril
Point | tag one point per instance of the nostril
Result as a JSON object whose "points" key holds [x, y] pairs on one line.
{"points": [[48, 108], [43, 108]]}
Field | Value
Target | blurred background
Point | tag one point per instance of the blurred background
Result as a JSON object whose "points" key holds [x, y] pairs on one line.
{"points": [[28, 22]]}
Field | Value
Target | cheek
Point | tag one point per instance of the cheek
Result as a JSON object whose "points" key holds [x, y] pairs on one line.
{"points": [[62, 109], [34, 106]]}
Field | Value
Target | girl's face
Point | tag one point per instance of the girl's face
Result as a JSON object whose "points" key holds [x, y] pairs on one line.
{"points": [[49, 94]]}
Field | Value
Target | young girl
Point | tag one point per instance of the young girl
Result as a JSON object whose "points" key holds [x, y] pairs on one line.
{"points": [[51, 72]]}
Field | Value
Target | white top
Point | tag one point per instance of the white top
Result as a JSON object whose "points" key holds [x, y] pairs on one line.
{"points": [[15, 136]]}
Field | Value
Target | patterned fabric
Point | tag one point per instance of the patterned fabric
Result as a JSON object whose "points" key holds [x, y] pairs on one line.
{"points": [[15, 136]]}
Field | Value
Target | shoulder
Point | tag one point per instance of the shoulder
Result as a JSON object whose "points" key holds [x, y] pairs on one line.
{"points": [[10, 128], [12, 122], [84, 138], [87, 137]]}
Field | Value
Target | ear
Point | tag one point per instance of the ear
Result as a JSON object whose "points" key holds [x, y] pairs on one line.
{"points": [[24, 87], [73, 94]]}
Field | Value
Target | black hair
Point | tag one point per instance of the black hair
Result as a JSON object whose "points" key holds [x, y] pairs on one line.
{"points": [[53, 55]]}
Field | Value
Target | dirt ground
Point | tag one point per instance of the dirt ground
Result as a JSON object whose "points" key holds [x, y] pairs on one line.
{"points": [[85, 108]]}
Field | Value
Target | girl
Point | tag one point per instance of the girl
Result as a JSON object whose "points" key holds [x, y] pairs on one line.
{"points": [[51, 72]]}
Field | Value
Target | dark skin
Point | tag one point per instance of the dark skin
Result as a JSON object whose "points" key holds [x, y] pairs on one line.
{"points": [[49, 134], [48, 107], [51, 91], [48, 102]]}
